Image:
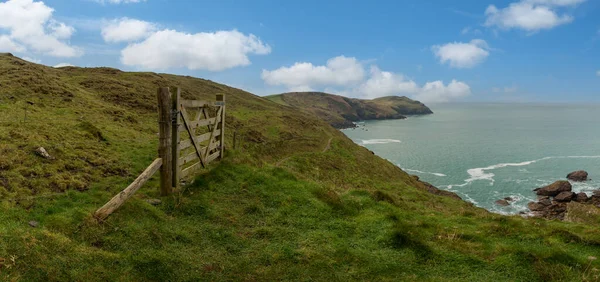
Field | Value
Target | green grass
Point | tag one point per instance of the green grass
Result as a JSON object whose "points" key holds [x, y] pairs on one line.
{"points": [[277, 207]]}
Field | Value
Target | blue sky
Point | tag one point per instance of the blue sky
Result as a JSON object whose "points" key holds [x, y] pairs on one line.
{"points": [[435, 51]]}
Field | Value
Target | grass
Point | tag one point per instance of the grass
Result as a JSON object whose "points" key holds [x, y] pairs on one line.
{"points": [[341, 214]]}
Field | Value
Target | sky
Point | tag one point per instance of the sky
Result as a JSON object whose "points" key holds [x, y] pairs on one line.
{"points": [[433, 51]]}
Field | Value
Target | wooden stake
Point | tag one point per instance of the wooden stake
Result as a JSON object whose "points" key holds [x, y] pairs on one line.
{"points": [[118, 200], [164, 140], [175, 136], [221, 98]]}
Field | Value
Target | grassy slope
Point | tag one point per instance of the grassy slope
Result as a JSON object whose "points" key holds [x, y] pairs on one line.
{"points": [[340, 214], [341, 111]]}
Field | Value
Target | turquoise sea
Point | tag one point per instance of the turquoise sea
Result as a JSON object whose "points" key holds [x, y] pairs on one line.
{"points": [[485, 152]]}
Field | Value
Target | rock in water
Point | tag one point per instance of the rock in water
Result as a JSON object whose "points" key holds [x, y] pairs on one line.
{"points": [[43, 153], [564, 197], [554, 188], [581, 197], [580, 175], [503, 203]]}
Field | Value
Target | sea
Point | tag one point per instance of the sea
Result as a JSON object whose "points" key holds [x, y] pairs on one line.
{"points": [[488, 151]]}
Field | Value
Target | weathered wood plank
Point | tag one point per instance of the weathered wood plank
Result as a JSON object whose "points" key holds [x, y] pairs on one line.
{"points": [[183, 114], [118, 200], [194, 103], [212, 134], [200, 138], [213, 156], [175, 136], [200, 123], [193, 156], [164, 140], [190, 170], [221, 98]]}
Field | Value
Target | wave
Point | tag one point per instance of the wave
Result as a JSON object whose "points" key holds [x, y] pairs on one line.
{"points": [[380, 141], [424, 172], [482, 173]]}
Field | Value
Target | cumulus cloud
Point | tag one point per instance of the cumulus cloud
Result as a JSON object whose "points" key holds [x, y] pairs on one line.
{"points": [[37, 61], [126, 30], [383, 83], [437, 92], [337, 71], [30, 24], [347, 76], [530, 15], [61, 65], [214, 51], [8, 45], [462, 55]]}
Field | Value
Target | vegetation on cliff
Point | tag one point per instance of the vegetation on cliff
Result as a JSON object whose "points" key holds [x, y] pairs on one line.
{"points": [[341, 112]]}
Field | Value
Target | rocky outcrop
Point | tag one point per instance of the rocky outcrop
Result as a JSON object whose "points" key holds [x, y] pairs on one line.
{"points": [[556, 206], [503, 203], [434, 190], [554, 188], [581, 197], [564, 197], [580, 175]]}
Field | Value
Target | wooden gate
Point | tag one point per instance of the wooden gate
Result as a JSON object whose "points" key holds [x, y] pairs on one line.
{"points": [[198, 131]]}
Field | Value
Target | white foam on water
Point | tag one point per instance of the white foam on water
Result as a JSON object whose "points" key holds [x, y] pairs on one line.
{"points": [[424, 172], [481, 173], [380, 141]]}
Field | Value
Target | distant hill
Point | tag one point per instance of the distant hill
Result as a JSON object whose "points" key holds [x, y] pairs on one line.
{"points": [[341, 111]]}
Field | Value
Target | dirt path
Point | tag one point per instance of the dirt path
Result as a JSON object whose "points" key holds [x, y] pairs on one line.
{"points": [[327, 147]]}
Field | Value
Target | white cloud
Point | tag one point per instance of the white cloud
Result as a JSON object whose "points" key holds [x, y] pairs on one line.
{"points": [[346, 76], [61, 65], [383, 83], [126, 30], [61, 30], [462, 55], [31, 24], [530, 15], [437, 92], [209, 51], [339, 71], [37, 61], [598, 73], [8, 45]]}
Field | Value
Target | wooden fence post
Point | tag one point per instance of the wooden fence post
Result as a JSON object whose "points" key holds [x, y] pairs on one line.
{"points": [[118, 200], [175, 136], [164, 140], [221, 98]]}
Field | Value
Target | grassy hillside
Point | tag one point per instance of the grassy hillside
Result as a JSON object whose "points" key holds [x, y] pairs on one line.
{"points": [[341, 111], [296, 201]]}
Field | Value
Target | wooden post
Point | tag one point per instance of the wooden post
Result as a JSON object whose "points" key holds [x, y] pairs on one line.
{"points": [[175, 136], [221, 98], [164, 140], [235, 139], [118, 200]]}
